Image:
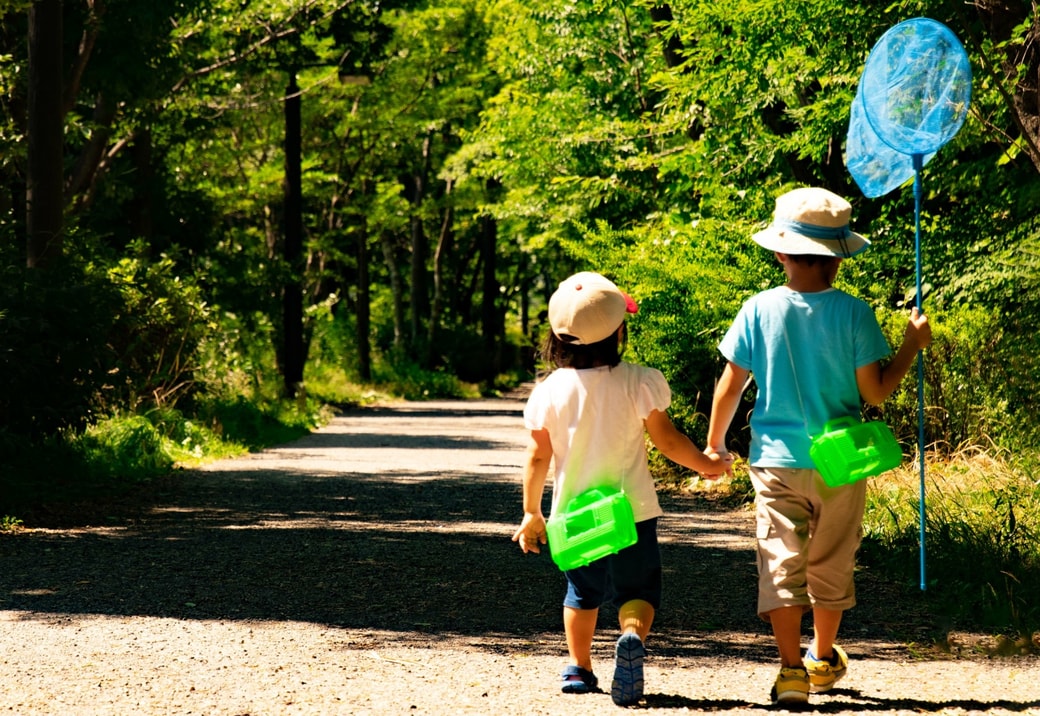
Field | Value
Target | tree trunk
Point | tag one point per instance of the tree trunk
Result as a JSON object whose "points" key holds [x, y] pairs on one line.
{"points": [[491, 319], [141, 208], [444, 248], [671, 43], [292, 292], [529, 349], [489, 323], [386, 240], [89, 166], [1018, 67], [420, 250], [44, 201], [364, 310]]}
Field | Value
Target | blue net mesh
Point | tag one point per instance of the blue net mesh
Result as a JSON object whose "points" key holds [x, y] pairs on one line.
{"points": [[912, 98], [875, 166]]}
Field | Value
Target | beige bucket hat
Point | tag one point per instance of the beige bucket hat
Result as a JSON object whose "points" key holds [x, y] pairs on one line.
{"points": [[812, 221]]}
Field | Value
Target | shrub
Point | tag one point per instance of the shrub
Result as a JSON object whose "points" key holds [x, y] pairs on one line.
{"points": [[55, 361], [982, 553], [157, 328], [80, 341], [125, 449], [964, 403]]}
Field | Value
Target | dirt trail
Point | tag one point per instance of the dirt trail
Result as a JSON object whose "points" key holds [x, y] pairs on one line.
{"points": [[367, 569]]}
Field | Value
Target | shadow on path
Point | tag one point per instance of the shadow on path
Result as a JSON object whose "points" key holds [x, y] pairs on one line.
{"points": [[389, 520]]}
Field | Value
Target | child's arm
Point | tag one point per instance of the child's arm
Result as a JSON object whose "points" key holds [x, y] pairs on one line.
{"points": [[877, 382], [725, 402], [678, 448], [531, 532]]}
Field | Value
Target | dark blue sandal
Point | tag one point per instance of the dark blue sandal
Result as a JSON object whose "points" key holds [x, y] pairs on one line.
{"points": [[577, 680]]}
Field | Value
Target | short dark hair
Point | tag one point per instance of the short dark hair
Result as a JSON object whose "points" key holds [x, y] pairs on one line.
{"points": [[560, 352], [811, 259]]}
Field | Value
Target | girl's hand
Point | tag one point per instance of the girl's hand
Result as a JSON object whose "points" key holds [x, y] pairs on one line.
{"points": [[531, 533], [723, 459]]}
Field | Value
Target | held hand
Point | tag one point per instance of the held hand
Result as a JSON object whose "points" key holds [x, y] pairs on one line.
{"points": [[918, 330], [723, 459], [531, 533]]}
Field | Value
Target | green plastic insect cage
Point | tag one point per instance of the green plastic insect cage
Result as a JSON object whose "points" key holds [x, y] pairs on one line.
{"points": [[849, 450], [594, 524]]}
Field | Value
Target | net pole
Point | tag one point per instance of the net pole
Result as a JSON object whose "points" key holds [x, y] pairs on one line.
{"points": [[918, 164]]}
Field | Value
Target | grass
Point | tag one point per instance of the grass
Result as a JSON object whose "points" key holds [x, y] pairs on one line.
{"points": [[982, 555], [982, 541], [390, 381], [116, 453]]}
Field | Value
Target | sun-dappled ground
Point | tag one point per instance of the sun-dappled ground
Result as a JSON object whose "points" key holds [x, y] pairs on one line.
{"points": [[367, 568]]}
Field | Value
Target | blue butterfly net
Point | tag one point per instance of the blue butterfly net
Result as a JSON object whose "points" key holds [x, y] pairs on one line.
{"points": [[912, 98]]}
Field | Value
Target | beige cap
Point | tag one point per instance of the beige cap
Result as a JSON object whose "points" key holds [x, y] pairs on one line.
{"points": [[588, 307]]}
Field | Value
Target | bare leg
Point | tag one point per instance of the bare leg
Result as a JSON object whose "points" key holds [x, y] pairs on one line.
{"points": [[580, 627], [787, 630], [825, 629]]}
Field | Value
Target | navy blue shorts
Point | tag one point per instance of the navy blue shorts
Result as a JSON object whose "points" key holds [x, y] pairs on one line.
{"points": [[632, 573]]}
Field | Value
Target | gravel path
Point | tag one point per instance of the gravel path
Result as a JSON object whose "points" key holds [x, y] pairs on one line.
{"points": [[367, 569]]}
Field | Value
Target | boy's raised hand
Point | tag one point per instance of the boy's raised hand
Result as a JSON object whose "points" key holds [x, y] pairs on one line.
{"points": [[918, 331]]}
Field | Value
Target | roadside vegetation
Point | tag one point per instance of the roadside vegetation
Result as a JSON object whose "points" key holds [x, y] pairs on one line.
{"points": [[123, 450], [982, 562]]}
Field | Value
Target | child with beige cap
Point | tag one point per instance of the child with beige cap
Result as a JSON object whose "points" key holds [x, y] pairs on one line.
{"points": [[815, 353], [589, 417]]}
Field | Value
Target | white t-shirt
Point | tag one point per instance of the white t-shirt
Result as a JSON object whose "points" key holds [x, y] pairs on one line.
{"points": [[595, 421]]}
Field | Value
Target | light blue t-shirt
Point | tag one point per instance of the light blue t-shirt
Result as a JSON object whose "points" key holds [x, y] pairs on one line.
{"points": [[830, 334]]}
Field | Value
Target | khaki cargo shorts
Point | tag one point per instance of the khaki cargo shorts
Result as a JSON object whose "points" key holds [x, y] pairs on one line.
{"points": [[808, 535]]}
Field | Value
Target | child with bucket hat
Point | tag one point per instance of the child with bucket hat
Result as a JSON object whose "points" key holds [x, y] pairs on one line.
{"points": [[815, 352], [589, 418]]}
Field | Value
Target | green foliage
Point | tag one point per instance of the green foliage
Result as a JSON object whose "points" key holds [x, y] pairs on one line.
{"points": [[982, 528], [161, 320], [251, 424], [189, 440], [80, 341], [12, 144], [238, 403], [761, 97], [403, 378], [116, 453], [961, 406], [332, 376], [124, 448], [643, 140], [103, 460], [237, 359], [11, 6], [55, 360], [333, 386], [567, 133], [686, 279]]}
